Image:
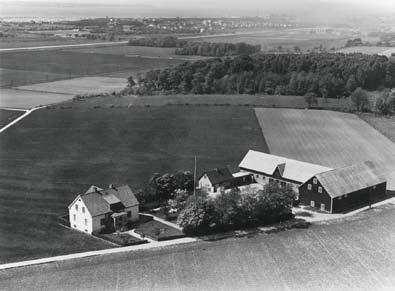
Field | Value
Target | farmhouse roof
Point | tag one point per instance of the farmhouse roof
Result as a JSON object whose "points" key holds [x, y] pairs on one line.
{"points": [[218, 176], [339, 182], [99, 201], [289, 169]]}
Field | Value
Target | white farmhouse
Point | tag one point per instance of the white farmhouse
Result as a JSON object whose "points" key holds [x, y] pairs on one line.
{"points": [[216, 181], [99, 209]]}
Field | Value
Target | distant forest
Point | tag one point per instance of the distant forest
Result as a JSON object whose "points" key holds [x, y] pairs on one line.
{"points": [[327, 75], [209, 49]]}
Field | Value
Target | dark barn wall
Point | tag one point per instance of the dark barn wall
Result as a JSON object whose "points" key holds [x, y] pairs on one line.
{"points": [[359, 198], [305, 195]]}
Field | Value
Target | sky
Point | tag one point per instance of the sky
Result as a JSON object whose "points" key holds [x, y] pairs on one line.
{"points": [[197, 8]]}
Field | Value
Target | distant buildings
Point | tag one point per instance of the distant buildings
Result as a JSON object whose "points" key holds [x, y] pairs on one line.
{"points": [[99, 209]]}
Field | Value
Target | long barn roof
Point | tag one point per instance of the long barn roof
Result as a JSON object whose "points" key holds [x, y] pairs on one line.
{"points": [[346, 180], [289, 169]]}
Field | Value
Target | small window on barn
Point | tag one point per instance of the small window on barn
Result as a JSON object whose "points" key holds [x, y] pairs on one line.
{"points": [[257, 176], [129, 213], [340, 198], [76, 207], [86, 230], [103, 221], [83, 209], [312, 203], [86, 221], [315, 181], [74, 217], [345, 196], [319, 189], [308, 186]]}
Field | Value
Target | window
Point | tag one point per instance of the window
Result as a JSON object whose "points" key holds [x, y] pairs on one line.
{"points": [[83, 209], [345, 196], [86, 221], [129, 213], [257, 176], [322, 206], [74, 217], [76, 207], [271, 180], [308, 186], [282, 184], [75, 226], [86, 230], [312, 203], [315, 181], [319, 189], [103, 221], [340, 198]]}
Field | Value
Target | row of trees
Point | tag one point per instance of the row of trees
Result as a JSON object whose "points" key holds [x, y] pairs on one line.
{"points": [[217, 49], [234, 210], [326, 75], [183, 47]]}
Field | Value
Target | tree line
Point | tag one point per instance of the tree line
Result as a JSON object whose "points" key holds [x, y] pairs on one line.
{"points": [[325, 75], [184, 47]]}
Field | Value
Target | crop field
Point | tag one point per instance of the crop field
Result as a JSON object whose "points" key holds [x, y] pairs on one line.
{"points": [[353, 254], [14, 98], [327, 138], [135, 51], [72, 64], [12, 78], [53, 154], [287, 39], [83, 85], [370, 50], [6, 116]]}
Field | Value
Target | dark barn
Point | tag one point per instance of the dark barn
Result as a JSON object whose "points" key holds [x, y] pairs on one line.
{"points": [[344, 189]]}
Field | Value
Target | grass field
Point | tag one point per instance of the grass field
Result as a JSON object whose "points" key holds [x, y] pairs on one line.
{"points": [[6, 116], [355, 254], [83, 85], [206, 100], [384, 124], [12, 78], [14, 98], [327, 138], [53, 154]]}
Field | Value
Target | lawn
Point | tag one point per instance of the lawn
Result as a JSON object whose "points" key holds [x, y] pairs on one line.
{"points": [[27, 99], [54, 154], [159, 231], [328, 138], [6, 116], [83, 85], [355, 254]]}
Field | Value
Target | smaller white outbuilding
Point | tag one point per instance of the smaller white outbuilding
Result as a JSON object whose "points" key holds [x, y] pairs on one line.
{"points": [[99, 209]]}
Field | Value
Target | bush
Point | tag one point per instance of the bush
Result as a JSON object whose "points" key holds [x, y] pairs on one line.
{"points": [[122, 239]]}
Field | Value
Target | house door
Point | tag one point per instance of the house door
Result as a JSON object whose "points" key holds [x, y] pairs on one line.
{"points": [[322, 207]]}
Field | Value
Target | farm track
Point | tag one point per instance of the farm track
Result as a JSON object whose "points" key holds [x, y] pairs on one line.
{"points": [[61, 46], [27, 112]]}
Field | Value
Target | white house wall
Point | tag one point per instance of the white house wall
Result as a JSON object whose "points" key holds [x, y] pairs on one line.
{"points": [[78, 221], [205, 184], [134, 212]]}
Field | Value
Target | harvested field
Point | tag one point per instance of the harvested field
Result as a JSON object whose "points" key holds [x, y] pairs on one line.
{"points": [[331, 139], [84, 85], [354, 254], [6, 116], [14, 98], [53, 154]]}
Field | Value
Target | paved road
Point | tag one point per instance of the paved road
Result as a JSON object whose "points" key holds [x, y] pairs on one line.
{"points": [[355, 254], [62, 46], [27, 112]]}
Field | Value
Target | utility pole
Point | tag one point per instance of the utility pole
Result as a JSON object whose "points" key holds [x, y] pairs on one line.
{"points": [[194, 180]]}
